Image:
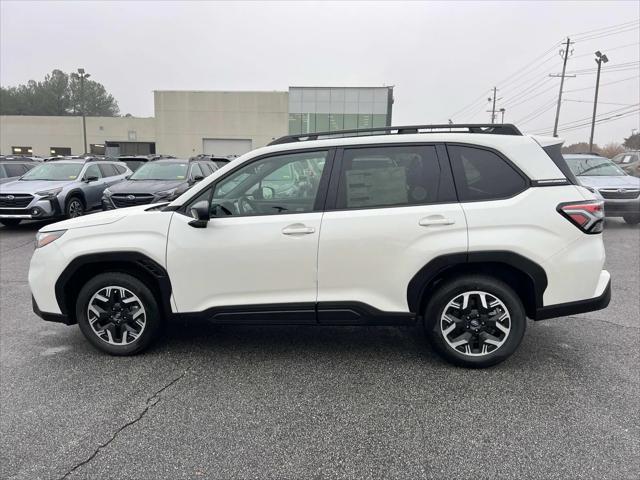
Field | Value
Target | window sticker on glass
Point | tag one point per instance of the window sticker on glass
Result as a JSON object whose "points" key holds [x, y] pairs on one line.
{"points": [[380, 186]]}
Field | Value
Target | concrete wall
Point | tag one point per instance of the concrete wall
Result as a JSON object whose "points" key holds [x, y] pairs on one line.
{"points": [[43, 132], [185, 118]]}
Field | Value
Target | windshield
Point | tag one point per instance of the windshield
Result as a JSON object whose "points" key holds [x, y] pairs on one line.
{"points": [[134, 164], [594, 167], [54, 171], [161, 171]]}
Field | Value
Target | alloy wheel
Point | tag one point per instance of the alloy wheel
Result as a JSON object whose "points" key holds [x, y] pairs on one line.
{"points": [[475, 323], [116, 315], [75, 208]]}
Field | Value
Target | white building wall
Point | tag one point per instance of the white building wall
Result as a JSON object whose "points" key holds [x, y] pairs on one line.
{"points": [[43, 132], [185, 118]]}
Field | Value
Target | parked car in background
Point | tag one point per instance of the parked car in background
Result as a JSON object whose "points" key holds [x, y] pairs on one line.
{"points": [[12, 167], [134, 162], [619, 190], [464, 232], [157, 181], [629, 162], [219, 161], [61, 188]]}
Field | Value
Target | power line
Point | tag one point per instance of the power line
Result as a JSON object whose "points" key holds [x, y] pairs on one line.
{"points": [[599, 102], [628, 28], [510, 78], [590, 32], [610, 49], [529, 98], [472, 103], [537, 112], [571, 124], [587, 124], [608, 83]]}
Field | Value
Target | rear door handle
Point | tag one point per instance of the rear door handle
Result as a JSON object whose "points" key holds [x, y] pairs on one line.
{"points": [[435, 220], [298, 229]]}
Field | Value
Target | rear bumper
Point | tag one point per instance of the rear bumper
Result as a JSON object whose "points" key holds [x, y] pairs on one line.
{"points": [[598, 302]]}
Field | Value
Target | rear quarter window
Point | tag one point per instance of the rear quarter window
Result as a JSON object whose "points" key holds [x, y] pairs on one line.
{"points": [[481, 174]]}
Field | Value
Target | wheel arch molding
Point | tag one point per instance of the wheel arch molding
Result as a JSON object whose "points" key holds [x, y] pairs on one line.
{"points": [[137, 264], [525, 276]]}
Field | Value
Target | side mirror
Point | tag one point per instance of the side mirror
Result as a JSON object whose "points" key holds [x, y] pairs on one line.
{"points": [[197, 178], [91, 178], [201, 214], [266, 193]]}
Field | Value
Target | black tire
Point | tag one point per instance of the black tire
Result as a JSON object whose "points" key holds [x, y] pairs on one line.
{"points": [[632, 218], [10, 222], [74, 207], [448, 292], [153, 317]]}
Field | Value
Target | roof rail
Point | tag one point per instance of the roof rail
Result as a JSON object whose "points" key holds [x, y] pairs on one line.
{"points": [[489, 128]]}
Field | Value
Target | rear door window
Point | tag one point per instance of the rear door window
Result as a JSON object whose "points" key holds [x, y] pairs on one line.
{"points": [[108, 170], [388, 176], [483, 175]]}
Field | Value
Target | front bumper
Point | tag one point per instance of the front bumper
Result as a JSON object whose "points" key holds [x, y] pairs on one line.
{"points": [[38, 208], [49, 317], [598, 302]]}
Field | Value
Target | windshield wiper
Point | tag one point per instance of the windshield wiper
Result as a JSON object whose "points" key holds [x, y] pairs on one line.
{"points": [[593, 168]]}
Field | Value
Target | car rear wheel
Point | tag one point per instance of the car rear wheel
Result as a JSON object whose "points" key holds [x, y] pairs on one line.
{"points": [[632, 219], [475, 321], [74, 208], [118, 314], [10, 222]]}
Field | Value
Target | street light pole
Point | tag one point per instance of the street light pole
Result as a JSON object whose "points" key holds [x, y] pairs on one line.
{"points": [[502, 110], [82, 77], [600, 59]]}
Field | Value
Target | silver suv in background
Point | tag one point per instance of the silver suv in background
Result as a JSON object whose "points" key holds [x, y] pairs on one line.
{"points": [[60, 188], [619, 190]]}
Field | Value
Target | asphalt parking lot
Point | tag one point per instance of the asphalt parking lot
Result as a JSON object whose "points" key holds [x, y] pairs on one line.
{"points": [[305, 402]]}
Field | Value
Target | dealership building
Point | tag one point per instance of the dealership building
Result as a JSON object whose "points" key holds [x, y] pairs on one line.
{"points": [[186, 123]]}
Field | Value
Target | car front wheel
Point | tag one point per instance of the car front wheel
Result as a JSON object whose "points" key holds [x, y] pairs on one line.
{"points": [[475, 321], [118, 313], [74, 208]]}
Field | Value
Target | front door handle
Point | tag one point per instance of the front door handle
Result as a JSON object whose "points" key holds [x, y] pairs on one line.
{"points": [[435, 220], [298, 229]]}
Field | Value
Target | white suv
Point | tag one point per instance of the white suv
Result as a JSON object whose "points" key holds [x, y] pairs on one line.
{"points": [[466, 229]]}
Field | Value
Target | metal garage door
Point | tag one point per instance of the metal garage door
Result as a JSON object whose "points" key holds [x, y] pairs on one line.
{"points": [[222, 147]]}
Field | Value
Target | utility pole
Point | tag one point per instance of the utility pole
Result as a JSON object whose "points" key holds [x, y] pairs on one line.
{"points": [[600, 59], [565, 56], [493, 109], [82, 77]]}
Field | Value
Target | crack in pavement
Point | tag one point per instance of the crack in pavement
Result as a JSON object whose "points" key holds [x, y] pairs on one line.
{"points": [[151, 402]]}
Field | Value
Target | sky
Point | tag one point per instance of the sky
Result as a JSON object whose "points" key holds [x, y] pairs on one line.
{"points": [[442, 57]]}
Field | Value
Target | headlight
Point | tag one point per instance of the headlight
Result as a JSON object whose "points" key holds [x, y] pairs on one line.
{"points": [[106, 192], [167, 193], [45, 238], [49, 193]]}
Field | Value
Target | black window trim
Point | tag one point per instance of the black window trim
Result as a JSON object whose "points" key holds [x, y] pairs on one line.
{"points": [[527, 181], [446, 174], [321, 194]]}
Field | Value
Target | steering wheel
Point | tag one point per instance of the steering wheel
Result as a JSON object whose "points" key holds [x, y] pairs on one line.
{"points": [[246, 206]]}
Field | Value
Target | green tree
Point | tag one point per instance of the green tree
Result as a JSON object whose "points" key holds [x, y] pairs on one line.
{"points": [[632, 142], [57, 94]]}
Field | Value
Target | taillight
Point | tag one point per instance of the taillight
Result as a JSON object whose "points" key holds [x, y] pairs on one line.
{"points": [[588, 215]]}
